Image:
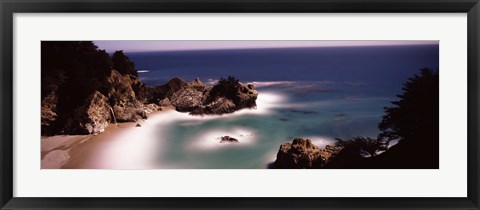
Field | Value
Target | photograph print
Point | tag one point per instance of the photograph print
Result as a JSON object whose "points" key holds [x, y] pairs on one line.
{"points": [[238, 104]]}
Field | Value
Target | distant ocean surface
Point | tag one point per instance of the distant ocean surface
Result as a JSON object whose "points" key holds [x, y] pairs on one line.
{"points": [[316, 93]]}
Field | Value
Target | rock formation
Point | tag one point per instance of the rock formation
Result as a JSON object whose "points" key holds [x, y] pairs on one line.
{"points": [[301, 153], [122, 98], [160, 93], [197, 99], [228, 139], [92, 117], [187, 99], [115, 101]]}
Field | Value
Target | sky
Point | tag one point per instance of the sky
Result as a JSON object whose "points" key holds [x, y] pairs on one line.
{"points": [[181, 45]]}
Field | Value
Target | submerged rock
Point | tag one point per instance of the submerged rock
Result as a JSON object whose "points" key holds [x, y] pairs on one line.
{"points": [[228, 139], [301, 153], [197, 99]]}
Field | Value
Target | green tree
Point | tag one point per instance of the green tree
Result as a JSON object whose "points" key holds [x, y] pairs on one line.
{"points": [[122, 63], [72, 70], [225, 88], [76, 67], [360, 144], [414, 121], [415, 115]]}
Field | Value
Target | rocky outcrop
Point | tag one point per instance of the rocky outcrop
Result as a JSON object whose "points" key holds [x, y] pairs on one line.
{"points": [[217, 107], [160, 93], [77, 79], [127, 107], [117, 100], [187, 100], [246, 96], [301, 153], [93, 117], [197, 99]]}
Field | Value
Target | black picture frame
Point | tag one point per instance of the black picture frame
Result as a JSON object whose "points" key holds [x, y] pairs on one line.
{"points": [[10, 7]]}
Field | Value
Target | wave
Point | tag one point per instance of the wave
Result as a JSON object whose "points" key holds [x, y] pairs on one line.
{"points": [[290, 83], [143, 71], [272, 83], [143, 144], [134, 147], [211, 81]]}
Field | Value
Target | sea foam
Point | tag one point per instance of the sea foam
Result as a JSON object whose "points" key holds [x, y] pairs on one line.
{"points": [[210, 139], [138, 147]]}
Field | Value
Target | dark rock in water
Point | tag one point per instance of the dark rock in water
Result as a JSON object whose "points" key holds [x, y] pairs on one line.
{"points": [[159, 93], [198, 99], [245, 96], [93, 117], [301, 153], [228, 139], [138, 125], [219, 106]]}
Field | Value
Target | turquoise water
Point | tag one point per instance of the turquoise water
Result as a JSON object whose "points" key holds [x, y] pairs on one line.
{"points": [[194, 141], [320, 94]]}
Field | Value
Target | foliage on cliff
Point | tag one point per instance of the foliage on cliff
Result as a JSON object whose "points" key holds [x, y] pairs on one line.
{"points": [[71, 72], [122, 64], [414, 120]]}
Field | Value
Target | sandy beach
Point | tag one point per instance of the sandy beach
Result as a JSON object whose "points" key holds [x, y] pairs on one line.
{"points": [[84, 151]]}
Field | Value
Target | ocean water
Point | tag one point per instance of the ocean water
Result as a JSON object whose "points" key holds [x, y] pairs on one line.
{"points": [[315, 93]]}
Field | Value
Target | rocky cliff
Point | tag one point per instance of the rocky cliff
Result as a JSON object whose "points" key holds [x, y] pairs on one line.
{"points": [[114, 101], [124, 98], [197, 99], [92, 117], [127, 105], [301, 153], [81, 92]]}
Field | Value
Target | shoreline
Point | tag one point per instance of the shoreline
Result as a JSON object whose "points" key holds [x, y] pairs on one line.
{"points": [[79, 151]]}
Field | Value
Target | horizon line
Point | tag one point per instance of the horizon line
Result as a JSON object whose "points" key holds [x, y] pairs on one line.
{"points": [[133, 46], [270, 48]]}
